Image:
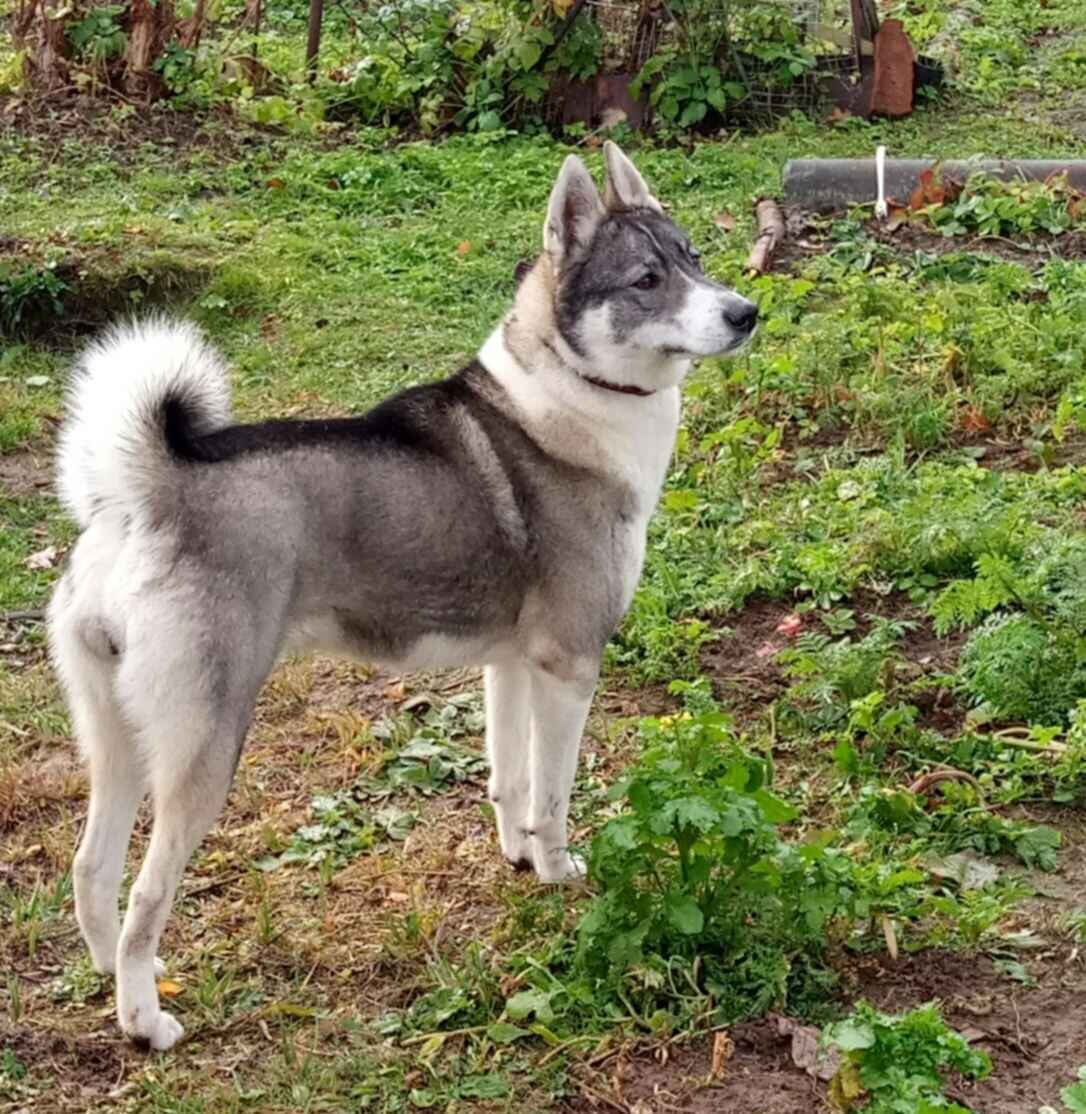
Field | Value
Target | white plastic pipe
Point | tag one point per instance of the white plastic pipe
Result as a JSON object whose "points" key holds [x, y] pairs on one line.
{"points": [[881, 210]]}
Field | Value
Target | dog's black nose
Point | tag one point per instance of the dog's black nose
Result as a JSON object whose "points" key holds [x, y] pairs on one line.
{"points": [[742, 317]]}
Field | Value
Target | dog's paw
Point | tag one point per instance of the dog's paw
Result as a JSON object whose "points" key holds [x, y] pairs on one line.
{"points": [[158, 1031], [560, 866]]}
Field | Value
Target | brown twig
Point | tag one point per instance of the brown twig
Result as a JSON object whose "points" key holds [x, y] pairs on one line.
{"points": [[32, 615], [771, 232], [927, 781]]}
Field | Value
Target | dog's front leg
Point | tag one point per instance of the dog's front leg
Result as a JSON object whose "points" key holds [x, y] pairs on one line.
{"points": [[560, 701], [508, 739]]}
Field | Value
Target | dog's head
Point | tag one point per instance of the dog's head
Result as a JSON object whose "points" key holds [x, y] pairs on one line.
{"points": [[631, 300]]}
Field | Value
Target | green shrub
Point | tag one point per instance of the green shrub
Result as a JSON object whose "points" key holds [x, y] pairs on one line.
{"points": [[694, 869]]}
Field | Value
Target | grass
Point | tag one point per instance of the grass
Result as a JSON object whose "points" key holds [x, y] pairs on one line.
{"points": [[895, 462]]}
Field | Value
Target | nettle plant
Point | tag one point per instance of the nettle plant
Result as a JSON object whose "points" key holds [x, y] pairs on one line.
{"points": [[694, 871]]}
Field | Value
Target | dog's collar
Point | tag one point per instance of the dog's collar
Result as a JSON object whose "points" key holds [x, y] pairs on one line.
{"points": [[620, 388]]}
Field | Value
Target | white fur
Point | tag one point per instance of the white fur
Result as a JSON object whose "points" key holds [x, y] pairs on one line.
{"points": [[110, 444]]}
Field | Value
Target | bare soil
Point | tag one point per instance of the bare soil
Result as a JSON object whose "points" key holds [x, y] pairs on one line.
{"points": [[1035, 1036], [748, 678]]}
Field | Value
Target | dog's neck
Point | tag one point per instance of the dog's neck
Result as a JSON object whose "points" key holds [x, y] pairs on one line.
{"points": [[624, 435]]}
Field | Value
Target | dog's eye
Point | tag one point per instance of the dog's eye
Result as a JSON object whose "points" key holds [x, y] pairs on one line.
{"points": [[647, 281]]}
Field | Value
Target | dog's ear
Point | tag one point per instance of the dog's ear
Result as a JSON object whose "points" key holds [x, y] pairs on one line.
{"points": [[574, 211], [626, 188]]}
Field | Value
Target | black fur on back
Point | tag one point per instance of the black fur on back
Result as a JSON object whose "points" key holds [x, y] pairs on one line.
{"points": [[404, 421]]}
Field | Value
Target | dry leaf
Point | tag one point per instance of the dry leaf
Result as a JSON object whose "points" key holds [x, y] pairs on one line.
{"points": [[766, 650], [838, 115], [43, 559], [168, 988], [846, 1086], [724, 221], [561, 7], [395, 691], [463, 247], [974, 421], [807, 1051], [723, 1047], [933, 189], [274, 183]]}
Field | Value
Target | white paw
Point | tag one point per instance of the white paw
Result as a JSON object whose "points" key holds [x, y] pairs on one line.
{"points": [[160, 968], [160, 1031], [559, 866]]}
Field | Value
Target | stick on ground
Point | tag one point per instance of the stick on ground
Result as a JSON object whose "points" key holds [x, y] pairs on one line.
{"points": [[771, 232]]}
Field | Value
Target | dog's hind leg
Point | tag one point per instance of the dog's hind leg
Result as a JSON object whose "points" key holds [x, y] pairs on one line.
{"points": [[193, 708], [561, 696], [187, 795], [85, 658], [508, 745]]}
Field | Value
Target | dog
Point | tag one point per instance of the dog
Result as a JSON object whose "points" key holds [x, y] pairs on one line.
{"points": [[494, 518]]}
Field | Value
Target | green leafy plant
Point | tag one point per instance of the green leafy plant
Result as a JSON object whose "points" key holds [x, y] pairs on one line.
{"points": [[994, 207], [694, 865], [27, 295], [893, 1064], [99, 36]]}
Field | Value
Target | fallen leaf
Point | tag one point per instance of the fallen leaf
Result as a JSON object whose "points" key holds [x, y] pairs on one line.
{"points": [[274, 183], [398, 897], [463, 247], [838, 115], [970, 871], [561, 7], [168, 988], [766, 650], [37, 381], [846, 1086], [933, 189], [974, 421], [43, 559], [725, 221], [723, 1047], [807, 1051], [395, 691]]}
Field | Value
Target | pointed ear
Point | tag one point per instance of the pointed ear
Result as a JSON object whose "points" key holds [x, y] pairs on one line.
{"points": [[574, 211], [626, 188]]}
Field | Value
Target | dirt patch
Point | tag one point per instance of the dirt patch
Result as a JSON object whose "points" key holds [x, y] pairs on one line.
{"points": [[25, 473], [93, 285], [759, 1078], [747, 676], [1035, 1037], [82, 1071], [101, 126]]}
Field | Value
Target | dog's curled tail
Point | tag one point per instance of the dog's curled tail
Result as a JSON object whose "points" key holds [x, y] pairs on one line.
{"points": [[128, 388]]}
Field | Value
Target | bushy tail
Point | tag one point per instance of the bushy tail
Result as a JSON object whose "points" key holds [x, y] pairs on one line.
{"points": [[113, 452]]}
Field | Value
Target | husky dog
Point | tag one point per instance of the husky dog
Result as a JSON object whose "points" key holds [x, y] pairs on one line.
{"points": [[495, 518]]}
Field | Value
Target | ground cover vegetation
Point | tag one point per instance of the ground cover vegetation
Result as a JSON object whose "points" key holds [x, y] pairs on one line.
{"points": [[835, 770]]}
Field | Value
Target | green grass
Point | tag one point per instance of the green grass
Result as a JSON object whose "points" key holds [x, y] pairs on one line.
{"points": [[894, 462]]}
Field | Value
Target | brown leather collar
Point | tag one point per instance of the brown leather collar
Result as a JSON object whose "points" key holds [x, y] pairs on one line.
{"points": [[620, 388]]}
